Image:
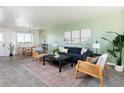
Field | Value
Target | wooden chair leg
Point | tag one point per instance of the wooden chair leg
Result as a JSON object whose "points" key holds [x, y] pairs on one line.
{"points": [[21, 53], [106, 68], [76, 72], [101, 77], [33, 59], [101, 82], [38, 60]]}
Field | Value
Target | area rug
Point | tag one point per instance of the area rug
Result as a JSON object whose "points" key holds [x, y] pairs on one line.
{"points": [[49, 74]]}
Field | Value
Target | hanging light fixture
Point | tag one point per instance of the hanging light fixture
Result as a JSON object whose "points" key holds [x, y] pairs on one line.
{"points": [[29, 28]]}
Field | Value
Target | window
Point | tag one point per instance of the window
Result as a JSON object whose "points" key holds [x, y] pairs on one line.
{"points": [[1, 37], [76, 36], [85, 35], [20, 37], [28, 37], [67, 37], [24, 37]]}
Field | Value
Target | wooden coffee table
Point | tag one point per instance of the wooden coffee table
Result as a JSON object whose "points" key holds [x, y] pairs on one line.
{"points": [[59, 60]]}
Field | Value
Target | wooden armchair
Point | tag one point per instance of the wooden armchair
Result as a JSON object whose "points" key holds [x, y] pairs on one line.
{"points": [[95, 70], [37, 56]]}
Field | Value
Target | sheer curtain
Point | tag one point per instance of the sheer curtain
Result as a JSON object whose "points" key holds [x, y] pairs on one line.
{"points": [[1, 37], [20, 37]]}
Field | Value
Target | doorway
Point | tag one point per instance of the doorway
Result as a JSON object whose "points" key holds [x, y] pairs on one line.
{"points": [[2, 41]]}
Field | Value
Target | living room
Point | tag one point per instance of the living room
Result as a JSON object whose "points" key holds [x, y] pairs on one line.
{"points": [[27, 30]]}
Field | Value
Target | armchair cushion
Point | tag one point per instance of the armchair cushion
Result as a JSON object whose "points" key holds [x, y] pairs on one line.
{"points": [[102, 60], [94, 61]]}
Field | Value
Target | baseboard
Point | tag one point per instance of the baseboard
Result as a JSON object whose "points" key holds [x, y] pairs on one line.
{"points": [[112, 64]]}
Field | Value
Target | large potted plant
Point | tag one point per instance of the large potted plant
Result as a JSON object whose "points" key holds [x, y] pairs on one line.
{"points": [[11, 48], [117, 50]]}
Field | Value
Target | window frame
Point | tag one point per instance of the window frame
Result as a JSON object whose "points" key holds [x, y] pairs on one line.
{"points": [[88, 38], [76, 37], [67, 41], [24, 39]]}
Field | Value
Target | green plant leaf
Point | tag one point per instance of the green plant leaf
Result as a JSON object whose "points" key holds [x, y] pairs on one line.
{"points": [[113, 32], [121, 46], [115, 43], [112, 53], [117, 46], [117, 50], [106, 39]]}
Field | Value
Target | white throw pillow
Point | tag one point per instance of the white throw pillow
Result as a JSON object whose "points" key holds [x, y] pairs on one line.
{"points": [[64, 50], [61, 49], [83, 50]]}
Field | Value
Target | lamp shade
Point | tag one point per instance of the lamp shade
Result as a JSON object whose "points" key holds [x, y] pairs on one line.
{"points": [[95, 45]]}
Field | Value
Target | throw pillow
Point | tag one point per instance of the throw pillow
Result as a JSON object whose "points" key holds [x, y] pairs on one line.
{"points": [[61, 49], [84, 50], [65, 50]]}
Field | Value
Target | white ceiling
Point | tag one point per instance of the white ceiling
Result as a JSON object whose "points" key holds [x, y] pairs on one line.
{"points": [[48, 16]]}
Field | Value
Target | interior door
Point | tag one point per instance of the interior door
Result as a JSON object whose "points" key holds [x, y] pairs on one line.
{"points": [[2, 48]]}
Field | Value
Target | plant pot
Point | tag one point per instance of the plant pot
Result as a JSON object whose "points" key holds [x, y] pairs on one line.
{"points": [[11, 55], [118, 68]]}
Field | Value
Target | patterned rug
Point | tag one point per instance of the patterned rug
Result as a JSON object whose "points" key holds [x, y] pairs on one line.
{"points": [[49, 74]]}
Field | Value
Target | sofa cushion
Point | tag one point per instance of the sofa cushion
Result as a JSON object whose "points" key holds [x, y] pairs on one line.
{"points": [[78, 50], [71, 50], [75, 54], [76, 57], [74, 50]]}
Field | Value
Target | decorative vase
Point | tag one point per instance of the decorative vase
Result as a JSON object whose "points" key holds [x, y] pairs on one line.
{"points": [[118, 68], [11, 55]]}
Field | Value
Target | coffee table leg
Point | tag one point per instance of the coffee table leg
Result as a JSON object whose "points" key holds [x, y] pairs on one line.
{"points": [[59, 66], [71, 64], [44, 60]]}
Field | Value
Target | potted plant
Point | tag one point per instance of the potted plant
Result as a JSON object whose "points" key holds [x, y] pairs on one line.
{"points": [[11, 48], [55, 51], [117, 50]]}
